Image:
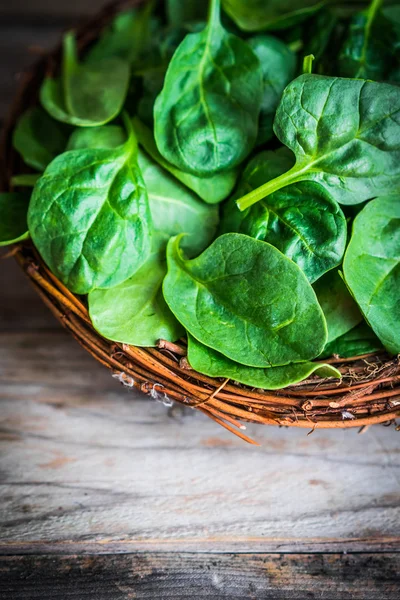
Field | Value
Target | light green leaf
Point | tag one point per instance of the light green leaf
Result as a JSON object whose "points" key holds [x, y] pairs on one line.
{"points": [[356, 342], [80, 96]]}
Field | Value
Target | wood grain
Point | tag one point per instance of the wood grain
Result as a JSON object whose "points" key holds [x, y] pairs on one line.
{"points": [[88, 466], [212, 577]]}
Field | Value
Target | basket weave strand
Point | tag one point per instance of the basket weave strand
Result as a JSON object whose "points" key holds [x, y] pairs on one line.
{"points": [[368, 393]]}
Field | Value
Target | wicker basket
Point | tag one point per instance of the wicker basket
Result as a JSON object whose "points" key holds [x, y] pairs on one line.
{"points": [[368, 393]]}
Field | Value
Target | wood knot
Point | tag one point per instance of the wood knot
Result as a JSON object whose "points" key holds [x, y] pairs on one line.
{"points": [[307, 405]]}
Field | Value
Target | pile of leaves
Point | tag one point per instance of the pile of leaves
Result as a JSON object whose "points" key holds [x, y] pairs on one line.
{"points": [[229, 174]]}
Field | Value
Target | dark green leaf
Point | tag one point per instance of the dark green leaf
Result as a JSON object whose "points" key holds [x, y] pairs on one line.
{"points": [[214, 364], [367, 49], [25, 180], [278, 65], [210, 189], [179, 12], [13, 211], [360, 340], [135, 312], [104, 136], [345, 135], [80, 96], [319, 32], [38, 138], [341, 311], [245, 299], [259, 15], [89, 216], [302, 220], [126, 38], [206, 117], [372, 268]]}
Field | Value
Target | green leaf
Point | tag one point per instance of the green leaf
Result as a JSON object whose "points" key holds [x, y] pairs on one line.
{"points": [[245, 299], [206, 117], [80, 96], [89, 216], [259, 15], [212, 363], [13, 211], [367, 50], [125, 38], [345, 135], [179, 12], [38, 138], [341, 311], [135, 311], [175, 209], [211, 189], [319, 34], [278, 65], [104, 136], [302, 220], [360, 340], [372, 268]]}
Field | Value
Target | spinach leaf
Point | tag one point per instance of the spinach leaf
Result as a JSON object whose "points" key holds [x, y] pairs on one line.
{"points": [[103, 136], [278, 65], [214, 364], [259, 15], [345, 134], [80, 96], [175, 209], [135, 312], [210, 189], [89, 216], [341, 311], [372, 268], [360, 340], [245, 299], [125, 38], [206, 117], [367, 49], [179, 12], [302, 220], [13, 211], [319, 34], [38, 138]]}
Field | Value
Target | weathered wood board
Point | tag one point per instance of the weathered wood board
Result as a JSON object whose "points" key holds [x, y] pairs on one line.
{"points": [[211, 577]]}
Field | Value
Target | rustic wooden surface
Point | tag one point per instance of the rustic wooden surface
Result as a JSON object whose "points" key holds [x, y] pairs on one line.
{"points": [[155, 497]]}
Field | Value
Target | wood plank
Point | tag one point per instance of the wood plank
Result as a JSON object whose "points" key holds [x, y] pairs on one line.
{"points": [[215, 577], [87, 466]]}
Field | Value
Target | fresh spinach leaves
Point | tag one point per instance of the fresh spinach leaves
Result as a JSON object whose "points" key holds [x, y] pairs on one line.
{"points": [[278, 65], [214, 364], [212, 189], [79, 96], [245, 299], [206, 117], [302, 220], [38, 138], [372, 268], [89, 216], [345, 135]]}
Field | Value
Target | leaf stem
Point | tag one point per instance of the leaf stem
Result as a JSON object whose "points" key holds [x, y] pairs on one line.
{"points": [[308, 63], [214, 12], [291, 176]]}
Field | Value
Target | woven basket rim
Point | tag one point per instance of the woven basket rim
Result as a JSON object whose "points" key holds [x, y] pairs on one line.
{"points": [[368, 393]]}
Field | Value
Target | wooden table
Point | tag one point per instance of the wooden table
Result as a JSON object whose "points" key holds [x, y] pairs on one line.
{"points": [[108, 495]]}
